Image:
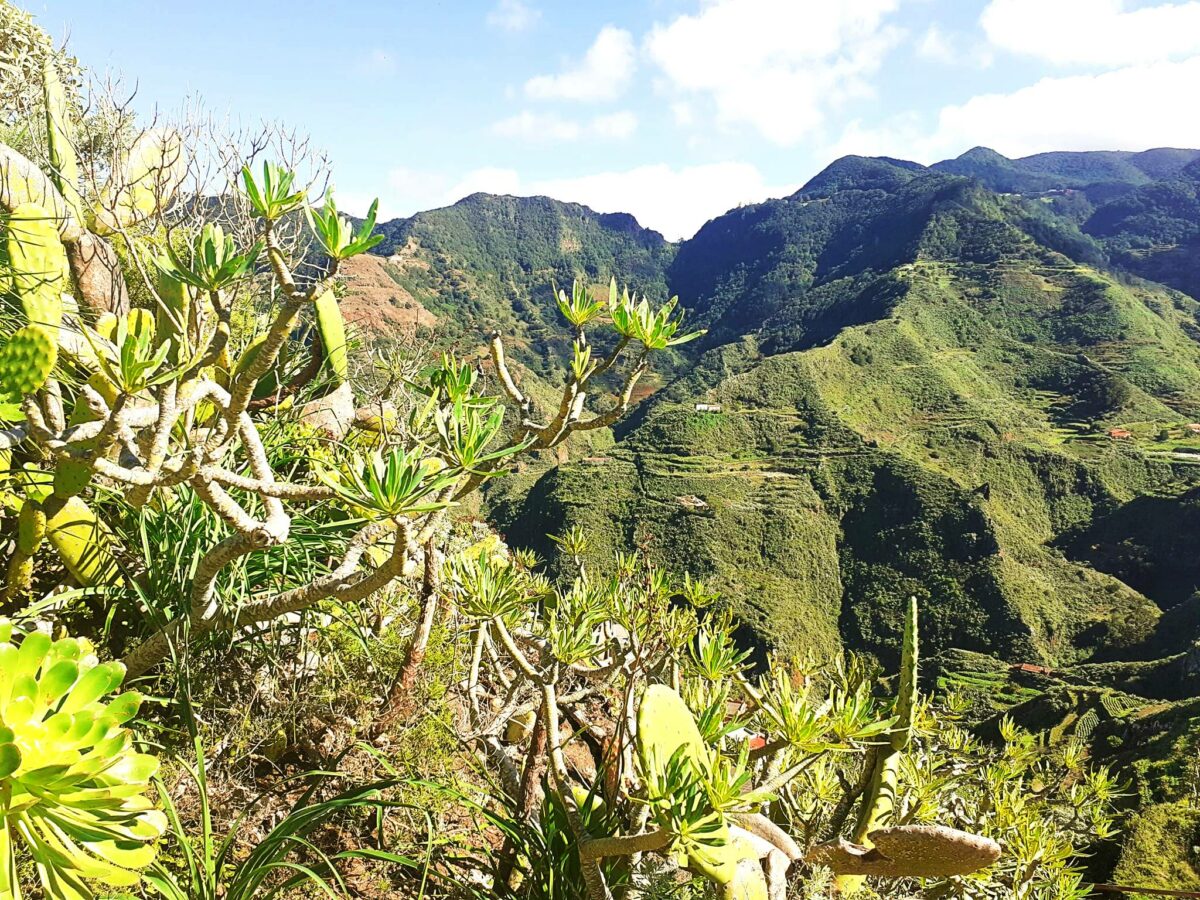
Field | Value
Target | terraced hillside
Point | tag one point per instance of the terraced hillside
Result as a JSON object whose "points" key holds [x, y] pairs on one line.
{"points": [[914, 398], [952, 383]]}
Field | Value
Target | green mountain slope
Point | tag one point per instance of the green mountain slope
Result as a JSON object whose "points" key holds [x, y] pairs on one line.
{"points": [[911, 391], [489, 262]]}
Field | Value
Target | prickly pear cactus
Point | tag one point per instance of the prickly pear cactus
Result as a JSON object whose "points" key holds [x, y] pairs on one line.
{"points": [[23, 182], [31, 530], [38, 272], [64, 165], [31, 527], [27, 359], [71, 477], [665, 727], [173, 318], [333, 336], [82, 542]]}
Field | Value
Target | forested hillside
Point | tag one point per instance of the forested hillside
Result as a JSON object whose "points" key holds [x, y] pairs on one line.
{"points": [[955, 383]]}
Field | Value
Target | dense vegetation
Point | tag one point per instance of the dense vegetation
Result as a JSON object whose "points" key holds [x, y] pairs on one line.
{"points": [[260, 637], [910, 377]]}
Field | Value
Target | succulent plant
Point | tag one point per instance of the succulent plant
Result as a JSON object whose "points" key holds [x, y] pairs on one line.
{"points": [[37, 271], [72, 785], [27, 359], [336, 235], [332, 329], [675, 761]]}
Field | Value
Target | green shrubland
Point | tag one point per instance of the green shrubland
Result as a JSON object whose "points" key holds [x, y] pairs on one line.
{"points": [[693, 664]]}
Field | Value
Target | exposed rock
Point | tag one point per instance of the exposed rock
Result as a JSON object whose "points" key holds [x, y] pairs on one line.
{"points": [[97, 275]]}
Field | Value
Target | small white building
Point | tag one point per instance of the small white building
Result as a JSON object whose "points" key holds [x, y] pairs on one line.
{"points": [[708, 407]]}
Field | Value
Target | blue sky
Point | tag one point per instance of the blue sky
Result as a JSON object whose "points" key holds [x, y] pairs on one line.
{"points": [[674, 110]]}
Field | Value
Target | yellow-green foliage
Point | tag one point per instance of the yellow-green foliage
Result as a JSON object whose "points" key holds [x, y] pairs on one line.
{"points": [[26, 360], [333, 335], [72, 786], [36, 271]]}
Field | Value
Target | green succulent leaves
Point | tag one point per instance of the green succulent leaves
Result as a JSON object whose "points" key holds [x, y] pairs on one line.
{"points": [[579, 308], [72, 786], [398, 483], [274, 198], [216, 263], [654, 329], [486, 588], [138, 361], [337, 237]]}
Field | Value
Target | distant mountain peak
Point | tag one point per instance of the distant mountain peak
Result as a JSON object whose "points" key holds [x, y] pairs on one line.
{"points": [[860, 173], [985, 155]]}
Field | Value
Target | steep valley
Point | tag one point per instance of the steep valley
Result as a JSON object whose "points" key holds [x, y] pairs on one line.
{"points": [[952, 383]]}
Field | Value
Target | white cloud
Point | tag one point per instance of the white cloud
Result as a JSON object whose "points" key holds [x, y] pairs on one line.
{"points": [[675, 201], [952, 49], [531, 126], [1127, 109], [602, 74], [1093, 32], [618, 125], [513, 15], [545, 127], [936, 47], [681, 111], [777, 65]]}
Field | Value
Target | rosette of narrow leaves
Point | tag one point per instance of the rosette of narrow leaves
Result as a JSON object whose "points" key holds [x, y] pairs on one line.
{"points": [[571, 621], [274, 198], [72, 786], [216, 263], [486, 588], [654, 329], [467, 428], [582, 366], [137, 363], [449, 381], [396, 483], [680, 804], [729, 782], [715, 656], [336, 235], [813, 726], [711, 702], [579, 308]]}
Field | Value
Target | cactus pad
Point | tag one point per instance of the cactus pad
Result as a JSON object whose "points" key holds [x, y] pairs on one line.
{"points": [[175, 312], [80, 539], [31, 527], [333, 336], [71, 477], [64, 165], [23, 182], [40, 274], [27, 360], [141, 321], [666, 726]]}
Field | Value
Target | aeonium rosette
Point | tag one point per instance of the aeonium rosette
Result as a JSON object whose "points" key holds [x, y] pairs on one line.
{"points": [[72, 786]]}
